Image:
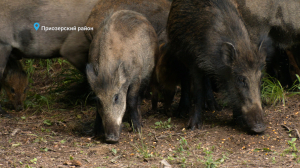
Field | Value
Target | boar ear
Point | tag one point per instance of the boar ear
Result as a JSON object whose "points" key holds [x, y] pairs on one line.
{"points": [[228, 53], [91, 74]]}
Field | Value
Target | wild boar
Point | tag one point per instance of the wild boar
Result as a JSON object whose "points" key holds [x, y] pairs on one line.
{"points": [[19, 37], [121, 61], [210, 39], [156, 11], [15, 83]]}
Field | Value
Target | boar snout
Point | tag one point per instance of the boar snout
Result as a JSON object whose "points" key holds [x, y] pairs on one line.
{"points": [[258, 128], [254, 120], [111, 138], [112, 133]]}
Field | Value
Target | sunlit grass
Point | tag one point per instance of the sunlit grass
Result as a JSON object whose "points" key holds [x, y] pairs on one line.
{"points": [[296, 87], [272, 91]]}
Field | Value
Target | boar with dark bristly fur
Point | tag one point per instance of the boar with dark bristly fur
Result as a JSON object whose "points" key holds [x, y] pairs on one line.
{"points": [[156, 11], [279, 19], [165, 78], [210, 38], [15, 83], [121, 61], [170, 73]]}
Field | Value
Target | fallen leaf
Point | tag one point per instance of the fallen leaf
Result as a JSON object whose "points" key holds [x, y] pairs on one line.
{"points": [[73, 163]]}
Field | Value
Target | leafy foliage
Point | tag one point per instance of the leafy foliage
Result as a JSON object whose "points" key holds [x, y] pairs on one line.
{"points": [[163, 125]]}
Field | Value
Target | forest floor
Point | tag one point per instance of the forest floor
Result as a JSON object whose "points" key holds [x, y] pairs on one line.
{"points": [[54, 131]]}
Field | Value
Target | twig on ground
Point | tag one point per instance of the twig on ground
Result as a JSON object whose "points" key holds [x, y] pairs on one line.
{"points": [[15, 132], [156, 139], [297, 132], [286, 127]]}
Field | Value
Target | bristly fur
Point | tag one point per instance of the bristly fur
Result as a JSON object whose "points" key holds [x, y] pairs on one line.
{"points": [[122, 57], [279, 19], [106, 67], [156, 11], [216, 23], [15, 83], [210, 38]]}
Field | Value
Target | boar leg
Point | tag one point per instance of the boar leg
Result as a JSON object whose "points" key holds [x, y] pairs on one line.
{"points": [[154, 97], [168, 99], [211, 102], [184, 104], [5, 51], [198, 95], [147, 93], [133, 105]]}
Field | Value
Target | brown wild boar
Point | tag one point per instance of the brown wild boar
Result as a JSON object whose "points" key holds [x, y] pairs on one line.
{"points": [[19, 37], [165, 79], [156, 11], [210, 39], [121, 61], [279, 19], [15, 83]]}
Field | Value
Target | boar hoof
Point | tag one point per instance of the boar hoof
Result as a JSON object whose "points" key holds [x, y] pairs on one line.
{"points": [[137, 127], [194, 123]]}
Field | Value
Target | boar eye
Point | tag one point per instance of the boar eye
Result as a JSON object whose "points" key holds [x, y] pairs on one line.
{"points": [[116, 98], [242, 81], [12, 90]]}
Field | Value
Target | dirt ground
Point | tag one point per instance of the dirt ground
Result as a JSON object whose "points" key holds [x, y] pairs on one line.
{"points": [[55, 132]]}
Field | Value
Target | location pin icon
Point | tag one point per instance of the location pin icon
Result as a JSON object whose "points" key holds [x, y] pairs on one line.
{"points": [[36, 26]]}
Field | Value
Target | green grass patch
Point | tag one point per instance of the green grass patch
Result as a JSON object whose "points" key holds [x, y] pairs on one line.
{"points": [[272, 91]]}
